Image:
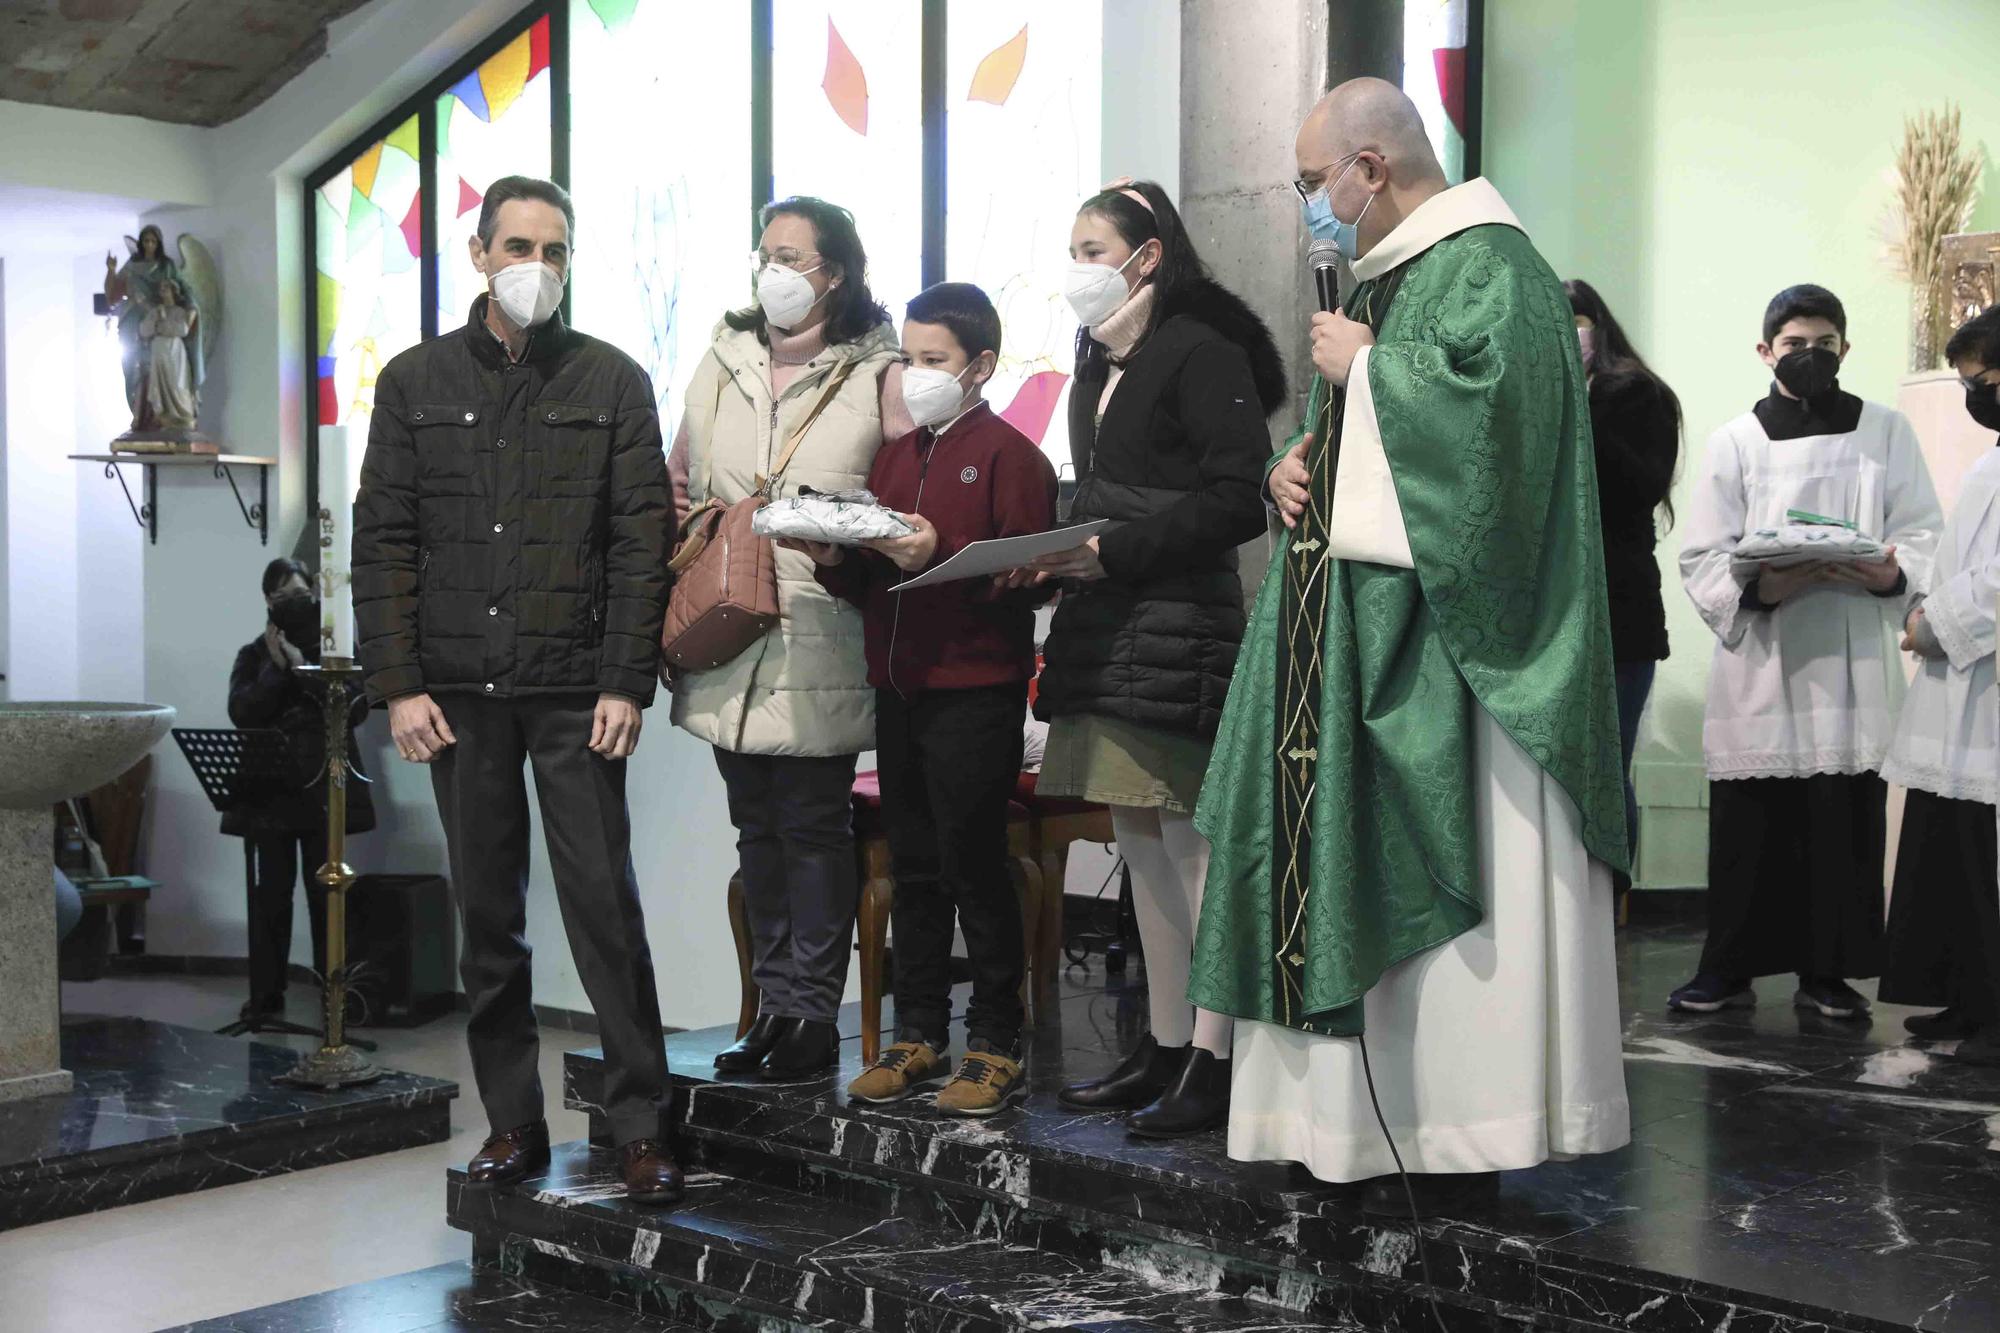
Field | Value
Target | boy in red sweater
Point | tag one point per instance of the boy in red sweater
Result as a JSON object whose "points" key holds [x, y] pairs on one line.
{"points": [[950, 665]]}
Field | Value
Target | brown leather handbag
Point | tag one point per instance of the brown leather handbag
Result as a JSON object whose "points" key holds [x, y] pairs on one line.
{"points": [[725, 576]]}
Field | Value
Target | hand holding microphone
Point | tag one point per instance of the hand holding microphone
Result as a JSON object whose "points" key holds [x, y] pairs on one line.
{"points": [[1336, 339]]}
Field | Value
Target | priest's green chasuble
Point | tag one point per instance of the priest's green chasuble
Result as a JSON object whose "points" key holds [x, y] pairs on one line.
{"points": [[1340, 799]]}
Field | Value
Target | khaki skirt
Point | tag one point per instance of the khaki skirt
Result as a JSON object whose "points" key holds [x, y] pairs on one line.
{"points": [[1114, 762]]}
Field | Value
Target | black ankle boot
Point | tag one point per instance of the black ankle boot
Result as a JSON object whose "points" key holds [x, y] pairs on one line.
{"points": [[1195, 1102], [1459, 1195], [751, 1048], [1138, 1080], [805, 1048]]}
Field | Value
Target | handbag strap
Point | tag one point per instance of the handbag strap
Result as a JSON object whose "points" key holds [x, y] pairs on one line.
{"points": [[833, 385]]}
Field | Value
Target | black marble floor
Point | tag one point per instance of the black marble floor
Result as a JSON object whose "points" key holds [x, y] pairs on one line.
{"points": [[159, 1110], [1787, 1173], [450, 1298]]}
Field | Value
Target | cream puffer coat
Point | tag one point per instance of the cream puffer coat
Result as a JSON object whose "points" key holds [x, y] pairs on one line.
{"points": [[803, 689]]}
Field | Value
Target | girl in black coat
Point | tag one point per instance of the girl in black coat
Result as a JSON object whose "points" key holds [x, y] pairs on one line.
{"points": [[284, 829], [1636, 422], [1174, 379]]}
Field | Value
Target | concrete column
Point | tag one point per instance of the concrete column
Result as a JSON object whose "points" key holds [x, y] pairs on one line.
{"points": [[1249, 75]]}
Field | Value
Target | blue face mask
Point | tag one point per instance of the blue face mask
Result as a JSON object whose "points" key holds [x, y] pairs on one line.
{"points": [[1324, 226]]}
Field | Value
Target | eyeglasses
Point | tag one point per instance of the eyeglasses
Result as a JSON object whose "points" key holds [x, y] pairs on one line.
{"points": [[1977, 382], [760, 258], [1307, 191]]}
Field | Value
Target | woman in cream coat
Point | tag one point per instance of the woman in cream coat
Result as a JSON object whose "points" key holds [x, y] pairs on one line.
{"points": [[789, 717]]}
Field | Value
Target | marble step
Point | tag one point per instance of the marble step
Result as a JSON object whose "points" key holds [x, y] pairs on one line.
{"points": [[450, 1298], [738, 1253], [1566, 1246]]}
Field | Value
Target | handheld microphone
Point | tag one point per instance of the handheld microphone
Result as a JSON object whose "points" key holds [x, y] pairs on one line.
{"points": [[1324, 256]]}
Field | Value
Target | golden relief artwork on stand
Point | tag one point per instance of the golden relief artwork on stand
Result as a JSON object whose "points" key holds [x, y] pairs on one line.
{"points": [[1969, 269]]}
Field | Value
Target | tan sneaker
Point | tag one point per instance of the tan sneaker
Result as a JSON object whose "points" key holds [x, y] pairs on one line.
{"points": [[895, 1071], [985, 1082]]}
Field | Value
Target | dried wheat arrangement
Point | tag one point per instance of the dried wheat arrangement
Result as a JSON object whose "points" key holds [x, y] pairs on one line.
{"points": [[1936, 186]]}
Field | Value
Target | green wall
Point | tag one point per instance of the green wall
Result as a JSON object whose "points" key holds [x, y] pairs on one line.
{"points": [[1690, 158]]}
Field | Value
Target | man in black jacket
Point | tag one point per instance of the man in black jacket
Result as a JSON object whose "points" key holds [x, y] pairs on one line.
{"points": [[509, 581]]}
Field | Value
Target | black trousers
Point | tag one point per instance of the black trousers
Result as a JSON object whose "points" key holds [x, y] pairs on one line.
{"points": [[482, 800], [794, 819], [1795, 876], [1944, 918], [949, 761], [276, 860]]}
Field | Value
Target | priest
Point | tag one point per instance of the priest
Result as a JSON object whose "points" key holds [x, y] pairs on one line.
{"points": [[1415, 803]]}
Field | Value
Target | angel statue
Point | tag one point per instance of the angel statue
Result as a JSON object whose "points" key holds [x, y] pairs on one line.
{"points": [[167, 315]]}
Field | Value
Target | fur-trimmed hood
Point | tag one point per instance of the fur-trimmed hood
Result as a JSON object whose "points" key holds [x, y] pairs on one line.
{"points": [[1227, 313]]}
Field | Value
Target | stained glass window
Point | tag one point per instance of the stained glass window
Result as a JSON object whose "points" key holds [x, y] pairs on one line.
{"points": [[1023, 91], [661, 217], [367, 221], [847, 125], [494, 122], [1435, 51]]}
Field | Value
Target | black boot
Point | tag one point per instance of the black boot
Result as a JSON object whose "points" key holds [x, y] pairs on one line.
{"points": [[751, 1048], [805, 1047], [1138, 1080], [1196, 1101], [1469, 1194]]}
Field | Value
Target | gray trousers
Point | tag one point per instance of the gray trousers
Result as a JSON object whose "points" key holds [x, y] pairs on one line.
{"points": [[794, 822], [482, 800]]}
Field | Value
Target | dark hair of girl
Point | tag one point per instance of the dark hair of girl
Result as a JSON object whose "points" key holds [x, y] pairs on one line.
{"points": [[281, 569], [1179, 269], [854, 309], [1616, 365]]}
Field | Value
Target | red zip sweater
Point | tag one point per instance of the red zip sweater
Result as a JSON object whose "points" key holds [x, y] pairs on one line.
{"points": [[977, 480]]}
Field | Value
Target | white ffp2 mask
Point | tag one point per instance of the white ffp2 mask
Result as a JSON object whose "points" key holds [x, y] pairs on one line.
{"points": [[1096, 291], [785, 295], [931, 395], [528, 293]]}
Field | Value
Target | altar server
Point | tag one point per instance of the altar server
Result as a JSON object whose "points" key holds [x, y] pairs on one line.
{"points": [[1944, 919], [1803, 694]]}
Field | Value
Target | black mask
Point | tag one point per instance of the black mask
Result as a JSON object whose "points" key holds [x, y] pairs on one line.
{"points": [[1808, 372], [1982, 404], [297, 617]]}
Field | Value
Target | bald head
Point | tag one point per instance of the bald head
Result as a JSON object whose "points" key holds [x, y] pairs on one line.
{"points": [[1371, 115]]}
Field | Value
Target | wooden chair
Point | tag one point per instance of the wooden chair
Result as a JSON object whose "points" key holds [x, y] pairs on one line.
{"points": [[878, 895], [1053, 825]]}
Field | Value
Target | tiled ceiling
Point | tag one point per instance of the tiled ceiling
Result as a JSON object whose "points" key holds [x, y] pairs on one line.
{"points": [[192, 62]]}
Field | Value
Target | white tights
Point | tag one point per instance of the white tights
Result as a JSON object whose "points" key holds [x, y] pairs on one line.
{"points": [[1169, 861]]}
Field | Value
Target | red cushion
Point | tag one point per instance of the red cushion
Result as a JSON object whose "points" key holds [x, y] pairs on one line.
{"points": [[868, 790]]}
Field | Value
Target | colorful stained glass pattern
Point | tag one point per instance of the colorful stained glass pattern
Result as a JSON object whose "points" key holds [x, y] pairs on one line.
{"points": [[1434, 70], [847, 125], [492, 123], [369, 300], [664, 215], [1025, 87]]}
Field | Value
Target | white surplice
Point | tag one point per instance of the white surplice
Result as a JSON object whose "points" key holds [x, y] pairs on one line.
{"points": [[1813, 685], [1502, 1047], [1948, 737]]}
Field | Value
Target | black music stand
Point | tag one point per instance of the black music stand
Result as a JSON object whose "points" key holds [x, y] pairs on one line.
{"points": [[230, 764]]}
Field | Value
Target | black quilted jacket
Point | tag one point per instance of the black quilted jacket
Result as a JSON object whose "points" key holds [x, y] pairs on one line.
{"points": [[1178, 464], [510, 535]]}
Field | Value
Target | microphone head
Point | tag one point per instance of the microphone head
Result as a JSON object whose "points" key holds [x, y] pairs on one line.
{"points": [[1323, 253]]}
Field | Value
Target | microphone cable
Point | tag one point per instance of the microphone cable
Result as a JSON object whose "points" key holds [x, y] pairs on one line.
{"points": [[1409, 1193]]}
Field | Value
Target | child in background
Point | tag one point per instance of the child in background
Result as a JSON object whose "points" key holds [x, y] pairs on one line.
{"points": [[950, 665], [1944, 918], [1805, 686]]}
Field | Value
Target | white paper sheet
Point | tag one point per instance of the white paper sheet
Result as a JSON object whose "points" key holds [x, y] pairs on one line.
{"points": [[1004, 553]]}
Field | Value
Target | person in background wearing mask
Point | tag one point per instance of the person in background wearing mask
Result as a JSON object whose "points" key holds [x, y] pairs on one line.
{"points": [[1944, 917], [1803, 693], [950, 665], [1635, 424], [510, 553], [284, 830], [789, 717], [1174, 378], [1414, 802]]}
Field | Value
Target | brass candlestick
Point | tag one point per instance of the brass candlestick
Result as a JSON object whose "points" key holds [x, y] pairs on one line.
{"points": [[336, 680]]}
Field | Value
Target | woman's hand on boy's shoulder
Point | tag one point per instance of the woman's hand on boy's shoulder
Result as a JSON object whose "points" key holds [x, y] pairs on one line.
{"points": [[913, 552]]}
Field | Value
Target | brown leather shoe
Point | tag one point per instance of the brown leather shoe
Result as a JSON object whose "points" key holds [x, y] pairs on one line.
{"points": [[651, 1173], [510, 1156]]}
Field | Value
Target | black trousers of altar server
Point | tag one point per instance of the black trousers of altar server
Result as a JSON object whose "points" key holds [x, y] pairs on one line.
{"points": [[1944, 917], [483, 802], [1795, 876]]}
